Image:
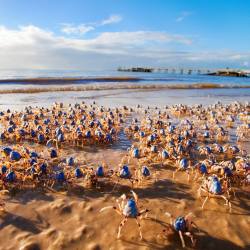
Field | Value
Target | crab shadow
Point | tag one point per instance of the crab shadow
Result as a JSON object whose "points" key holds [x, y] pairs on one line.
{"points": [[164, 166], [206, 241], [243, 197], [240, 204], [145, 243], [24, 196], [103, 188], [20, 222], [166, 189]]}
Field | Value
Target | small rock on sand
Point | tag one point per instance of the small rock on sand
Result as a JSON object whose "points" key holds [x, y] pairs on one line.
{"points": [[29, 246], [89, 208], [94, 246], [65, 210], [80, 232], [4, 192]]}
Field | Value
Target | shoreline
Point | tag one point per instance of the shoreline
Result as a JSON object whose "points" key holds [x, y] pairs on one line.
{"points": [[65, 80], [99, 87]]}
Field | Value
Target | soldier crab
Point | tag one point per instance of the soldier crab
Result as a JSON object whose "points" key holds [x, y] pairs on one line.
{"points": [[128, 208], [183, 225]]}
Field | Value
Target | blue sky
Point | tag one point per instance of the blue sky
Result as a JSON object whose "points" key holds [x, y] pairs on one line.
{"points": [[104, 34]]}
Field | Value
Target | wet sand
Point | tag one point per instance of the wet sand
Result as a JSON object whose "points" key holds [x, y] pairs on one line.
{"points": [[130, 97], [71, 219]]}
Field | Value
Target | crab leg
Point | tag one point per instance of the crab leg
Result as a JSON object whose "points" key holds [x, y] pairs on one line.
{"points": [[121, 225], [191, 237], [139, 226], [144, 211], [122, 203], [204, 202], [196, 175], [188, 176], [2, 205], [182, 239], [135, 196], [175, 172], [170, 217], [118, 181], [202, 189], [155, 176], [195, 226], [108, 207], [228, 203]]}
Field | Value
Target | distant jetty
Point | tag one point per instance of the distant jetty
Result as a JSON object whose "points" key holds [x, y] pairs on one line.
{"points": [[229, 73], [219, 72], [136, 69]]}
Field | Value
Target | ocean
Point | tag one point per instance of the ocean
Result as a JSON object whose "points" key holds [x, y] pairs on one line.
{"points": [[19, 88]]}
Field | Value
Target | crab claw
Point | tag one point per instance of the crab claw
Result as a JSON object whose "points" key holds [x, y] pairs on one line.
{"points": [[123, 197], [168, 214], [135, 195], [189, 216], [105, 208]]}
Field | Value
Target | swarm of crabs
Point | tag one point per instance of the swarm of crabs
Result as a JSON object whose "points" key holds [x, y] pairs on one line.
{"points": [[206, 143]]}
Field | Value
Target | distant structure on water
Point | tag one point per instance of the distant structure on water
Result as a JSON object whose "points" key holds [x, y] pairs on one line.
{"points": [[136, 69], [228, 72], [220, 72]]}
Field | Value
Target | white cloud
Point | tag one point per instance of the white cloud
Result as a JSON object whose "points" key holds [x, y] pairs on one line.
{"points": [[79, 29], [33, 47], [112, 19], [183, 16], [112, 39]]}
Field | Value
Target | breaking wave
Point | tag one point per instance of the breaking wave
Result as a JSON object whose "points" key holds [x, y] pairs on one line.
{"points": [[118, 85]]}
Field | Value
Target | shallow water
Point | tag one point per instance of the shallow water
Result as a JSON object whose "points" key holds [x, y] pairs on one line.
{"points": [[155, 77], [109, 92], [122, 97]]}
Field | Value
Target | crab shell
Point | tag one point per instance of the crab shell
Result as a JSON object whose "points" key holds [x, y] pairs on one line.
{"points": [[136, 153], [130, 209], [184, 163], [10, 177], [214, 185], [164, 154], [70, 161], [53, 153], [15, 156], [203, 168], [145, 171], [78, 173], [180, 224], [125, 173], [100, 171], [3, 169]]}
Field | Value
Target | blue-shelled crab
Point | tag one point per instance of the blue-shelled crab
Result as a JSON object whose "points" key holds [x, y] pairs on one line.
{"points": [[184, 226], [213, 188], [128, 208]]}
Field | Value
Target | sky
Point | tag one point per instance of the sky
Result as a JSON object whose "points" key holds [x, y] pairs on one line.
{"points": [[105, 34]]}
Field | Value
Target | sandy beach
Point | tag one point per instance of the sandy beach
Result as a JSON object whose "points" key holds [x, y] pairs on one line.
{"points": [[70, 218]]}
